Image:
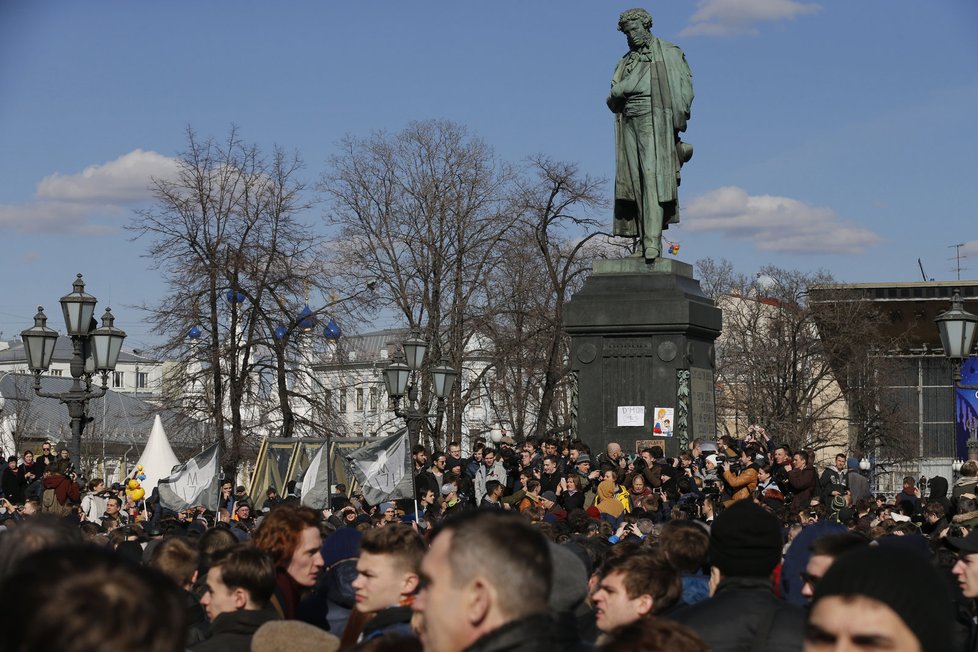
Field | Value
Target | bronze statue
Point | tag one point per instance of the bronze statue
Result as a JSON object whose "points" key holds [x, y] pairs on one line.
{"points": [[651, 94]]}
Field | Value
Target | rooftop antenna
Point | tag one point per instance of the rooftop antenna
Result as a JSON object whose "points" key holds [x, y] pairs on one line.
{"points": [[957, 257]]}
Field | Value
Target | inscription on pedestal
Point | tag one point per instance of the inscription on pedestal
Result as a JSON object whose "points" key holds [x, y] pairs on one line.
{"points": [[626, 348], [702, 398]]}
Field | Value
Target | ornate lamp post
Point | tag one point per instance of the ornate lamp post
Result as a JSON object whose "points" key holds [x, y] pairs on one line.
{"points": [[96, 350], [957, 327], [400, 377]]}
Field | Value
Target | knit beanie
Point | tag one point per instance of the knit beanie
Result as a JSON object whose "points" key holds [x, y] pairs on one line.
{"points": [[342, 544], [902, 579], [745, 541]]}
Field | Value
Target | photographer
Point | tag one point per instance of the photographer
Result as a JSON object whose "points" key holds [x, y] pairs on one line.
{"points": [[741, 476]]}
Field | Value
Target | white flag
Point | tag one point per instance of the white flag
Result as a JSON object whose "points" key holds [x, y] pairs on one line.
{"points": [[315, 481], [383, 469], [194, 483]]}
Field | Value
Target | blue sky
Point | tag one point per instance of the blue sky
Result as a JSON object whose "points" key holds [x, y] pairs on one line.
{"points": [[838, 135]]}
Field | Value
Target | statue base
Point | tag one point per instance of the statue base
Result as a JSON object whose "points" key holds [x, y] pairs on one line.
{"points": [[642, 342]]}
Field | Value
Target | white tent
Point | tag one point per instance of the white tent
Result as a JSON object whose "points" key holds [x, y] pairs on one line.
{"points": [[157, 459]]}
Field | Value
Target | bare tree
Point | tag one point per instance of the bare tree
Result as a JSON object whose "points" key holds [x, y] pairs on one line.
{"points": [[421, 213], [227, 234], [807, 371], [550, 250]]}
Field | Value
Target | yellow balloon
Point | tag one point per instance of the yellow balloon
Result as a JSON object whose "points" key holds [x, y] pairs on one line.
{"points": [[134, 484], [138, 494]]}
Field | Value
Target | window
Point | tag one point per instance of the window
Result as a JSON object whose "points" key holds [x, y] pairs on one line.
{"points": [[342, 400], [57, 372], [359, 399], [476, 401], [118, 379], [328, 401], [374, 395], [142, 379]]}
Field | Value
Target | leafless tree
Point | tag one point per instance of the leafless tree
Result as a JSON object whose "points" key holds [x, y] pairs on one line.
{"points": [[549, 252], [228, 235], [422, 214], [808, 371]]}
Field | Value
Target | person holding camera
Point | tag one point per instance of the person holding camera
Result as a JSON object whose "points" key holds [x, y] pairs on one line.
{"points": [[741, 478]]}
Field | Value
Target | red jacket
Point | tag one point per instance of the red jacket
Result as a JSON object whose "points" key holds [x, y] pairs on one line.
{"points": [[64, 489]]}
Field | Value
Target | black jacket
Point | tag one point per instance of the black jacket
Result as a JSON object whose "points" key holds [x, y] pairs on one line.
{"points": [[232, 631], [531, 634], [733, 619]]}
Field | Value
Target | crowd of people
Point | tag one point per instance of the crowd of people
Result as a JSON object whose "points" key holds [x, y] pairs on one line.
{"points": [[538, 545]]}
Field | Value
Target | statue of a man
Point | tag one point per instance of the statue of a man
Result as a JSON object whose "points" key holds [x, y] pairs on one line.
{"points": [[651, 94]]}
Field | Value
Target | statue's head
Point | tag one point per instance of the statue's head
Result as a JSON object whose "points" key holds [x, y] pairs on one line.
{"points": [[642, 16], [635, 24]]}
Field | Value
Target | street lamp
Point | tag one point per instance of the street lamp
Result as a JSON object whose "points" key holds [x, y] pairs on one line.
{"points": [[957, 328], [96, 350], [400, 378]]}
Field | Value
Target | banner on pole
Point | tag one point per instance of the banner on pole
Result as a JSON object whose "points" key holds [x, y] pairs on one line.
{"points": [[315, 481], [195, 483], [383, 468]]}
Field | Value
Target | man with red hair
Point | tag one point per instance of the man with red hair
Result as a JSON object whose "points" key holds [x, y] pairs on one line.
{"points": [[291, 536]]}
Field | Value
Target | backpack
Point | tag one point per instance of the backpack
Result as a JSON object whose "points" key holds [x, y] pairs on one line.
{"points": [[50, 504]]}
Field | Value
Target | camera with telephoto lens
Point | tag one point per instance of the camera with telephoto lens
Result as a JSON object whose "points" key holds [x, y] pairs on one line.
{"points": [[735, 466]]}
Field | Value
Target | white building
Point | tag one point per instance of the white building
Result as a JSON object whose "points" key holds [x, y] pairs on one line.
{"points": [[352, 374], [135, 374]]}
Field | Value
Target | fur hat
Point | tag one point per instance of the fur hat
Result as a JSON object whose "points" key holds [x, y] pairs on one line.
{"points": [[292, 636]]}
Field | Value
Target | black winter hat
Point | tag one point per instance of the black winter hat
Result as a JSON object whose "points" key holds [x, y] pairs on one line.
{"points": [[905, 581], [745, 541]]}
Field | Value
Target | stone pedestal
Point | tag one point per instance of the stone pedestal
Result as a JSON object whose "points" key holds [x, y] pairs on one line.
{"points": [[642, 338]]}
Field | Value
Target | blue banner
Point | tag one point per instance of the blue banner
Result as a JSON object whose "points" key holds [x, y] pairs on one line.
{"points": [[966, 407]]}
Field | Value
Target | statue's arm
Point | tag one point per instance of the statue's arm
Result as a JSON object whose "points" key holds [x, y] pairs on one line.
{"points": [[616, 98]]}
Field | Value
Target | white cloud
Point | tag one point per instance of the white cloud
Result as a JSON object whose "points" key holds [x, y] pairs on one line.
{"points": [[772, 223], [729, 17], [68, 203]]}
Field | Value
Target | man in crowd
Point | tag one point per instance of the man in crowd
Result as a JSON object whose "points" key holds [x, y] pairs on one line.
{"points": [[491, 469], [968, 482], [236, 593], [780, 467], [48, 457], [881, 598], [494, 492], [387, 578], [613, 457], [633, 587], [485, 583], [549, 477], [834, 480], [825, 550], [743, 613], [802, 480], [290, 535]]}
